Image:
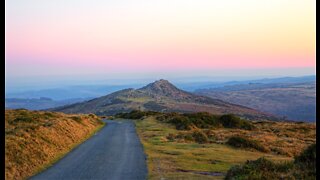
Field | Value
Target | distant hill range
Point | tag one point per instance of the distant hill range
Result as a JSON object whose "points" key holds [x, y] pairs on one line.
{"points": [[294, 100], [70, 92], [90, 91], [38, 103], [160, 96], [193, 86]]}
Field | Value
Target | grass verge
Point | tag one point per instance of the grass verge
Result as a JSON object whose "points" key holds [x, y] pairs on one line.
{"points": [[63, 154], [34, 140]]}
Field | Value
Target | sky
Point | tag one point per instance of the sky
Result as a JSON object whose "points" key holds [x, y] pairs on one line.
{"points": [[87, 40]]}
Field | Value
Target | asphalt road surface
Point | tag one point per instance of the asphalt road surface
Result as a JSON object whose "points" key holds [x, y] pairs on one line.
{"points": [[115, 152]]}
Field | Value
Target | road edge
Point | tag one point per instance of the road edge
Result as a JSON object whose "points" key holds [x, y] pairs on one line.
{"points": [[64, 153]]}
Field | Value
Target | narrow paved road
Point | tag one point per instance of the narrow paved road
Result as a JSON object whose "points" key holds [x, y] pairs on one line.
{"points": [[115, 152]]}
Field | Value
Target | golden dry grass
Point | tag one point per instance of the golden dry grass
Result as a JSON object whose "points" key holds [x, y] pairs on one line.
{"points": [[284, 138], [185, 160], [35, 139]]}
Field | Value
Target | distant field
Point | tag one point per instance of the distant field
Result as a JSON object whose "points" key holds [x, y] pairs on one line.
{"points": [[34, 139], [293, 101], [172, 154]]}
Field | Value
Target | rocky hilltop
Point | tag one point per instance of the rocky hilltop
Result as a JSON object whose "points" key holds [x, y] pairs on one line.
{"points": [[160, 96]]}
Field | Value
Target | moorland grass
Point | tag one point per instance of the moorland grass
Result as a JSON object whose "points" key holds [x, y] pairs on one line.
{"points": [[34, 140], [186, 121], [182, 160], [135, 114], [303, 167], [242, 142]]}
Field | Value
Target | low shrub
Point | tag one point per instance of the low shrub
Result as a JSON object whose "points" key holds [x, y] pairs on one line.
{"points": [[232, 121], [49, 115], [76, 118], [188, 137], [171, 137], [307, 159], [92, 116], [303, 167], [196, 135], [205, 120], [135, 114], [200, 137], [242, 142], [260, 169], [210, 134], [23, 119], [165, 117], [181, 122]]}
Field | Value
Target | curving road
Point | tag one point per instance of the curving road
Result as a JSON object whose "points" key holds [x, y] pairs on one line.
{"points": [[115, 152]]}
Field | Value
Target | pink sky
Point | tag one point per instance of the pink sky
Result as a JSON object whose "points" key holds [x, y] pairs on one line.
{"points": [[95, 36]]}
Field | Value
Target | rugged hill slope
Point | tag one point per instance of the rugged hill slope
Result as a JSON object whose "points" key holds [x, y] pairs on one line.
{"points": [[295, 101], [161, 96]]}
